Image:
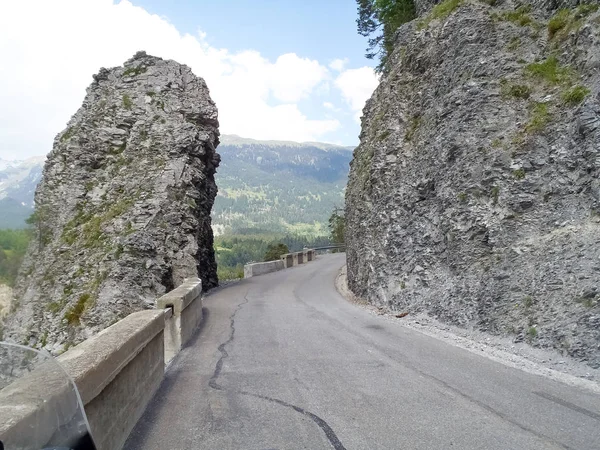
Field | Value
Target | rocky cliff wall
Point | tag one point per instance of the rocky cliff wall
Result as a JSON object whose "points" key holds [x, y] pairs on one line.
{"points": [[123, 208], [474, 194]]}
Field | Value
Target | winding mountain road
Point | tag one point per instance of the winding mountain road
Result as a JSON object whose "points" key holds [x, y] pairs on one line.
{"points": [[284, 362]]}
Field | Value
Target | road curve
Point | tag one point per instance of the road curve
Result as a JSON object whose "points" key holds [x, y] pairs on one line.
{"points": [[284, 362]]}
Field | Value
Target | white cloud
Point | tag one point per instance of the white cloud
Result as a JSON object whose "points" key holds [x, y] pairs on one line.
{"points": [[331, 107], [338, 64], [52, 48], [293, 78], [356, 86]]}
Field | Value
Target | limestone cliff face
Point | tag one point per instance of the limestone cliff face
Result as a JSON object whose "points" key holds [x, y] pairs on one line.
{"points": [[123, 208], [474, 194]]}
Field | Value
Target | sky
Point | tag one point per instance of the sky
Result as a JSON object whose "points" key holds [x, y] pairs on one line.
{"points": [[277, 69]]}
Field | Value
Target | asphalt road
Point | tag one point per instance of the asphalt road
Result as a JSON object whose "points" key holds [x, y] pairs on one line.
{"points": [[284, 362]]}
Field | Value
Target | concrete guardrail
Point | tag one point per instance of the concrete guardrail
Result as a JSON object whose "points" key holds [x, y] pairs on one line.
{"points": [[252, 270], [186, 305], [287, 260], [117, 371], [296, 258]]}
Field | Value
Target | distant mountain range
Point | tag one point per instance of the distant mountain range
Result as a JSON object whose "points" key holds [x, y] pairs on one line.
{"points": [[278, 185], [18, 180], [268, 185]]}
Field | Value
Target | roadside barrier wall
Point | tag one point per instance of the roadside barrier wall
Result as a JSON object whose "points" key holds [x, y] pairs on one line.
{"points": [[117, 371], [252, 270], [185, 302], [288, 260]]}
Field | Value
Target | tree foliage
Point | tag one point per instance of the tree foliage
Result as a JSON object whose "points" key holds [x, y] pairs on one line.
{"points": [[13, 244], [233, 251], [38, 222], [337, 226], [274, 252], [378, 20]]}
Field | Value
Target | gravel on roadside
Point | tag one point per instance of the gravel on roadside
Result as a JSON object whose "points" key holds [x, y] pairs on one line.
{"points": [[543, 362]]}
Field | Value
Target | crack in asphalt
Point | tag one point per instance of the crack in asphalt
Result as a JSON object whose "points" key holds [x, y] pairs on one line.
{"points": [[324, 426], [329, 433], [213, 379]]}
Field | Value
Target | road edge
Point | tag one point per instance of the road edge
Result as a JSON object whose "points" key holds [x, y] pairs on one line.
{"points": [[493, 347]]}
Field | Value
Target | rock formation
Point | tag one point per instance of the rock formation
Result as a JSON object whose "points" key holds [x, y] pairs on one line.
{"points": [[123, 208], [474, 195]]}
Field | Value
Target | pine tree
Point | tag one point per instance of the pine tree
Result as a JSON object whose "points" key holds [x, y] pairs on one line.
{"points": [[337, 226], [382, 18]]}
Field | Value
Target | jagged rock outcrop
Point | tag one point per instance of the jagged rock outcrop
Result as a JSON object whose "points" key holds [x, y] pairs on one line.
{"points": [[123, 208], [475, 192]]}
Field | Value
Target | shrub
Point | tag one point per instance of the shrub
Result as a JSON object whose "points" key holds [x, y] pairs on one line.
{"points": [[68, 134], [514, 44], [384, 135], [587, 302], [92, 231], [519, 16], [445, 8], [519, 174], [54, 307], [73, 315], [516, 90], [127, 103], [39, 222], [44, 340], [412, 128], [230, 273], [274, 252], [575, 95], [539, 118], [68, 289], [118, 150], [550, 71], [558, 22], [494, 194], [566, 20], [134, 71], [440, 11]]}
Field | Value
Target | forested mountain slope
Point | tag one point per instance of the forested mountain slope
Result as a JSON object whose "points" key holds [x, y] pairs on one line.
{"points": [[278, 185]]}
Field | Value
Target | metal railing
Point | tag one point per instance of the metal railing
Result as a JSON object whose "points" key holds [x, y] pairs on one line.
{"points": [[330, 247]]}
